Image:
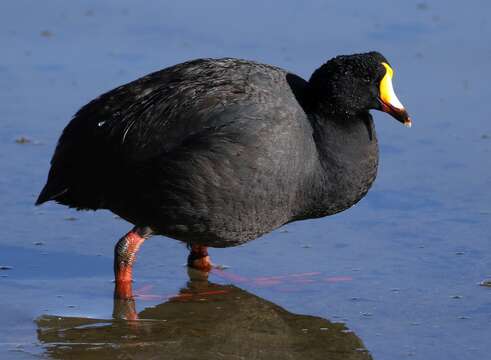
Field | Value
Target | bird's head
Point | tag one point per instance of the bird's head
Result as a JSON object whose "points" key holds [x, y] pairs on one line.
{"points": [[351, 84]]}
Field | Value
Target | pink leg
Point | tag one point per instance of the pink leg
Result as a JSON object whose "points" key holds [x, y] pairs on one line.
{"points": [[198, 258], [124, 258], [124, 309]]}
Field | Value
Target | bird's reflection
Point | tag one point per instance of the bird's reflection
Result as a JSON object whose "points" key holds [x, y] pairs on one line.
{"points": [[204, 321]]}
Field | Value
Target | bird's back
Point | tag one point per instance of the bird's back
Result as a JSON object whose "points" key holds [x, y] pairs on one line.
{"points": [[189, 137]]}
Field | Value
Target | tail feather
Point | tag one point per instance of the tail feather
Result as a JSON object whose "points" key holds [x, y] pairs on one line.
{"points": [[50, 192]]}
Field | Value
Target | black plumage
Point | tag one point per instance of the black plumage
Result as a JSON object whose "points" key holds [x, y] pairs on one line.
{"points": [[220, 151]]}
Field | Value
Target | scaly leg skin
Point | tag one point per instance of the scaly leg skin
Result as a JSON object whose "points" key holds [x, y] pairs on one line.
{"points": [[198, 258], [124, 309], [124, 258]]}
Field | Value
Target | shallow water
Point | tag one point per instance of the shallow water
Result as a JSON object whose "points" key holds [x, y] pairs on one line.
{"points": [[400, 270]]}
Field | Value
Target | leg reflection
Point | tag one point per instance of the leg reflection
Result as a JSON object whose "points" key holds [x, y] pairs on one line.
{"points": [[204, 320]]}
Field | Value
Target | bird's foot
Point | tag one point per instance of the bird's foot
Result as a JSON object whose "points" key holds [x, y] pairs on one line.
{"points": [[199, 259], [124, 309], [202, 264]]}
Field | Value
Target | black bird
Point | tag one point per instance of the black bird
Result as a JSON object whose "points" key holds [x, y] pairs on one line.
{"points": [[217, 152]]}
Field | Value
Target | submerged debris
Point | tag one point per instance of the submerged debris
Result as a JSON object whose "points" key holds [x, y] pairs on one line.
{"points": [[23, 140], [3, 267], [46, 33]]}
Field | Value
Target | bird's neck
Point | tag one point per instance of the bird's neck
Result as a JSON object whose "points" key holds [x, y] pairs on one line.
{"points": [[347, 161]]}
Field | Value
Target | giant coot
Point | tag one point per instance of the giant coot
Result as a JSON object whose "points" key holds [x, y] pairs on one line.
{"points": [[217, 152]]}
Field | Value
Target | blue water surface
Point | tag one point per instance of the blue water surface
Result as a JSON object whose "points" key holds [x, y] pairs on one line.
{"points": [[401, 269]]}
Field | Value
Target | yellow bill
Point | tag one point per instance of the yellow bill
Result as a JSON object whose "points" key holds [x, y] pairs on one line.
{"points": [[388, 99]]}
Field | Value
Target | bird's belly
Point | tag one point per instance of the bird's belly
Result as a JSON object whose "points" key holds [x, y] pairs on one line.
{"points": [[223, 224], [226, 233]]}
